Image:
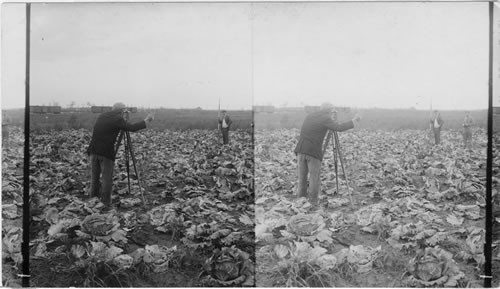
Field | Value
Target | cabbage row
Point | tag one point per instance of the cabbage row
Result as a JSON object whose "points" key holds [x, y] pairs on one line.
{"points": [[413, 214], [196, 221]]}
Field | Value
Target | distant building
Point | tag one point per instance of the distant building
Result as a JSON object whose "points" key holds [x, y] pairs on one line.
{"points": [[41, 109], [311, 108], [291, 109], [100, 109], [263, 108], [76, 109]]}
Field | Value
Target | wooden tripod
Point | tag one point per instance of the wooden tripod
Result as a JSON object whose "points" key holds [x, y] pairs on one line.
{"points": [[129, 152], [333, 137]]}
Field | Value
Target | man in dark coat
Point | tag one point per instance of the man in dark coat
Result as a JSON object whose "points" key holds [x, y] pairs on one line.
{"points": [[102, 149], [309, 149], [225, 123], [436, 125]]}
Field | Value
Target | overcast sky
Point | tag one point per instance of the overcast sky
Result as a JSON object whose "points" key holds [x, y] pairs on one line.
{"points": [[284, 54]]}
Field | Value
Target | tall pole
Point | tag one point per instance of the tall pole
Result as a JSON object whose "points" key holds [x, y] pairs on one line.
{"points": [[252, 72], [489, 155], [219, 131], [431, 131], [26, 182]]}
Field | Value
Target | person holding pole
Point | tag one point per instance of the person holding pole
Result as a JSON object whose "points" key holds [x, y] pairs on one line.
{"points": [[225, 123], [309, 149], [467, 130], [101, 149], [436, 123], [218, 125], [5, 131]]}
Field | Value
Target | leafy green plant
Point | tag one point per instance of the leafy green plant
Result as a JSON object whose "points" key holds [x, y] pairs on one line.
{"points": [[434, 267], [308, 228], [301, 264], [229, 266], [360, 257], [103, 227], [11, 246], [96, 259]]}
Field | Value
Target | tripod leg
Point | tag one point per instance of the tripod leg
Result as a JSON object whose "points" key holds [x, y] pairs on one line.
{"points": [[135, 167], [127, 163], [327, 141], [335, 160], [117, 145], [337, 143]]}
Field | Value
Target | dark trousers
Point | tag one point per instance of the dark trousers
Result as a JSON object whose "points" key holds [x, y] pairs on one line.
{"points": [[437, 135], [225, 135], [467, 136], [308, 166], [101, 171], [5, 135]]}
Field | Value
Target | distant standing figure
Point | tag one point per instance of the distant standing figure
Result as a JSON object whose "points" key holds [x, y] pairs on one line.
{"points": [[467, 130], [5, 131], [225, 123], [252, 128], [436, 125]]}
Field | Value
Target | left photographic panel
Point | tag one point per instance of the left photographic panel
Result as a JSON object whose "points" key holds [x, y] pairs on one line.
{"points": [[140, 144], [13, 58]]}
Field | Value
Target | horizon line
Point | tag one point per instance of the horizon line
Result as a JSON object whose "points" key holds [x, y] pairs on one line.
{"points": [[275, 107]]}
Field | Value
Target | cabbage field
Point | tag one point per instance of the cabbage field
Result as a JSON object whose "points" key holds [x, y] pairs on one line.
{"points": [[413, 217], [495, 235], [196, 227]]}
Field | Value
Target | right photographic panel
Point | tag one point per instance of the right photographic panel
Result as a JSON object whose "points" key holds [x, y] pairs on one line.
{"points": [[370, 143]]}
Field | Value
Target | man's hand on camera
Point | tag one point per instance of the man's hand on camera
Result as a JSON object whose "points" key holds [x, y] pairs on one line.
{"points": [[149, 118]]}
